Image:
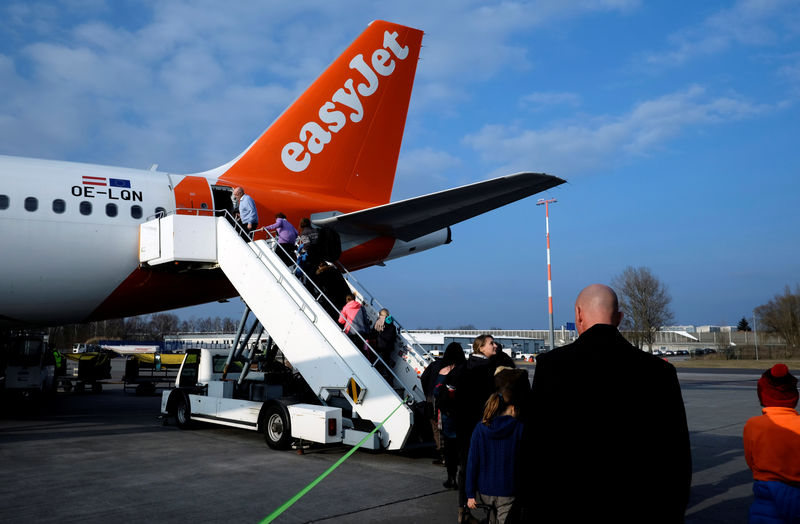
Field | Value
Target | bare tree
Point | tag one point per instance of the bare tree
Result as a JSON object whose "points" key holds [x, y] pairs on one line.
{"points": [[188, 325], [229, 325], [163, 324], [782, 315], [644, 301], [137, 328], [114, 328], [204, 325]]}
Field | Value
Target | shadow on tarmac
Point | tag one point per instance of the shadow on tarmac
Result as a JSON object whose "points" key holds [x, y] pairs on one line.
{"points": [[721, 481]]}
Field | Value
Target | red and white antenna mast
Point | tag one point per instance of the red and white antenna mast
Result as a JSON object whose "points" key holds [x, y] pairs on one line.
{"points": [[549, 272]]}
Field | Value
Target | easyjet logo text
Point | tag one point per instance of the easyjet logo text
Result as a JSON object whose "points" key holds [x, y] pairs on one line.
{"points": [[313, 136]]}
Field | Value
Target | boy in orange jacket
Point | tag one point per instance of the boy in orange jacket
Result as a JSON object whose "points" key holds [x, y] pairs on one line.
{"points": [[772, 449]]}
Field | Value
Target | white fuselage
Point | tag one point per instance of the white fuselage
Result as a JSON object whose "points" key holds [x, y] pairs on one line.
{"points": [[69, 240]]}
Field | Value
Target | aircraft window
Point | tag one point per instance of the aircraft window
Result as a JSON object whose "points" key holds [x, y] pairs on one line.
{"points": [[160, 211], [136, 211], [85, 208], [31, 204], [111, 209], [59, 206], [3, 201]]}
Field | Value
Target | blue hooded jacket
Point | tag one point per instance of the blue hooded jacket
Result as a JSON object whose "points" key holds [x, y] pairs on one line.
{"points": [[493, 454]]}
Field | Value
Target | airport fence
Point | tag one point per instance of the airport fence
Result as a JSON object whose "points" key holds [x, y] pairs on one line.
{"points": [[763, 352]]}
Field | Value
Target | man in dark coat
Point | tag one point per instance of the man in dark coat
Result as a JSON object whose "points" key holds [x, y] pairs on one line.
{"points": [[606, 434]]}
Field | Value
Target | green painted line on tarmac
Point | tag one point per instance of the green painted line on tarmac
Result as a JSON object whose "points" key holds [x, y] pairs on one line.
{"points": [[286, 505]]}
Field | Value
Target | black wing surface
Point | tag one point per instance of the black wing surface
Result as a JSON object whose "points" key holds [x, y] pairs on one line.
{"points": [[414, 217]]}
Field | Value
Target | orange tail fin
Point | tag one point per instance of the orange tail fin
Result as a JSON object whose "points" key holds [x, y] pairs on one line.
{"points": [[341, 137]]}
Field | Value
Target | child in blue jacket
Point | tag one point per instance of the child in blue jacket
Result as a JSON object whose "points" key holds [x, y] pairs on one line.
{"points": [[493, 453]]}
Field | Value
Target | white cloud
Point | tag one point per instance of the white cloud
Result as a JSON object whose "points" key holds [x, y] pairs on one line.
{"points": [[422, 171], [791, 72], [468, 41], [191, 84], [748, 22], [541, 100], [595, 143]]}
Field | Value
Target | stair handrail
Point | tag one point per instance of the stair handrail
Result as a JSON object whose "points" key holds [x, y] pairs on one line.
{"points": [[275, 245], [421, 353], [239, 228]]}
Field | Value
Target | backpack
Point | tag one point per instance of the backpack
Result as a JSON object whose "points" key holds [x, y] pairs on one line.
{"points": [[328, 245], [361, 323], [444, 398]]}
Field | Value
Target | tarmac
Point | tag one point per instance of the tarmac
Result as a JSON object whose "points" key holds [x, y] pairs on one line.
{"points": [[107, 458]]}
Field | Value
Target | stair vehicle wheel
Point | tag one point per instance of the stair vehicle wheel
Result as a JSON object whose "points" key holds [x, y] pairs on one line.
{"points": [[183, 414], [277, 431]]}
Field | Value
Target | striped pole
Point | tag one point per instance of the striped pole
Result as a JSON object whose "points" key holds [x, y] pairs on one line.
{"points": [[549, 272]]}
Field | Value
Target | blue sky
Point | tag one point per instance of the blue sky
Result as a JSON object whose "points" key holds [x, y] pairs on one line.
{"points": [[675, 123]]}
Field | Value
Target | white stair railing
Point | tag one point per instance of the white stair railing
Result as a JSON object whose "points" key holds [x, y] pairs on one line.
{"points": [[416, 355], [411, 388], [307, 336]]}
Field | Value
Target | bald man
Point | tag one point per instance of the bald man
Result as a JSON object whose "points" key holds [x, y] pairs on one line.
{"points": [[607, 431], [247, 213]]}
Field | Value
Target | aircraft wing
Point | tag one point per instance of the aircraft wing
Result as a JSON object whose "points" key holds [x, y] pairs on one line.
{"points": [[415, 217]]}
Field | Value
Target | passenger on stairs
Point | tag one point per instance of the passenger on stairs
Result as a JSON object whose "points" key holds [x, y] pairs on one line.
{"points": [[287, 234], [354, 319], [306, 259], [385, 335], [331, 282], [246, 213]]}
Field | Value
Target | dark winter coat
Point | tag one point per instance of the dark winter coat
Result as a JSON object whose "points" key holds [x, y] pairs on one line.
{"points": [[430, 376], [474, 383], [385, 339], [332, 283], [608, 434]]}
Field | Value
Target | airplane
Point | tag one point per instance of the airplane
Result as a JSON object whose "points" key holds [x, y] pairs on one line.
{"points": [[70, 231]]}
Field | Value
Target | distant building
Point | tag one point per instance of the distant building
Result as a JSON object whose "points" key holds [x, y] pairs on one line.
{"points": [[715, 329], [678, 334], [687, 329], [528, 341], [435, 341], [181, 341]]}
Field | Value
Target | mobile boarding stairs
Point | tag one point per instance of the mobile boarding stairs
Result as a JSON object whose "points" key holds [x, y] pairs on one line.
{"points": [[338, 373]]}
